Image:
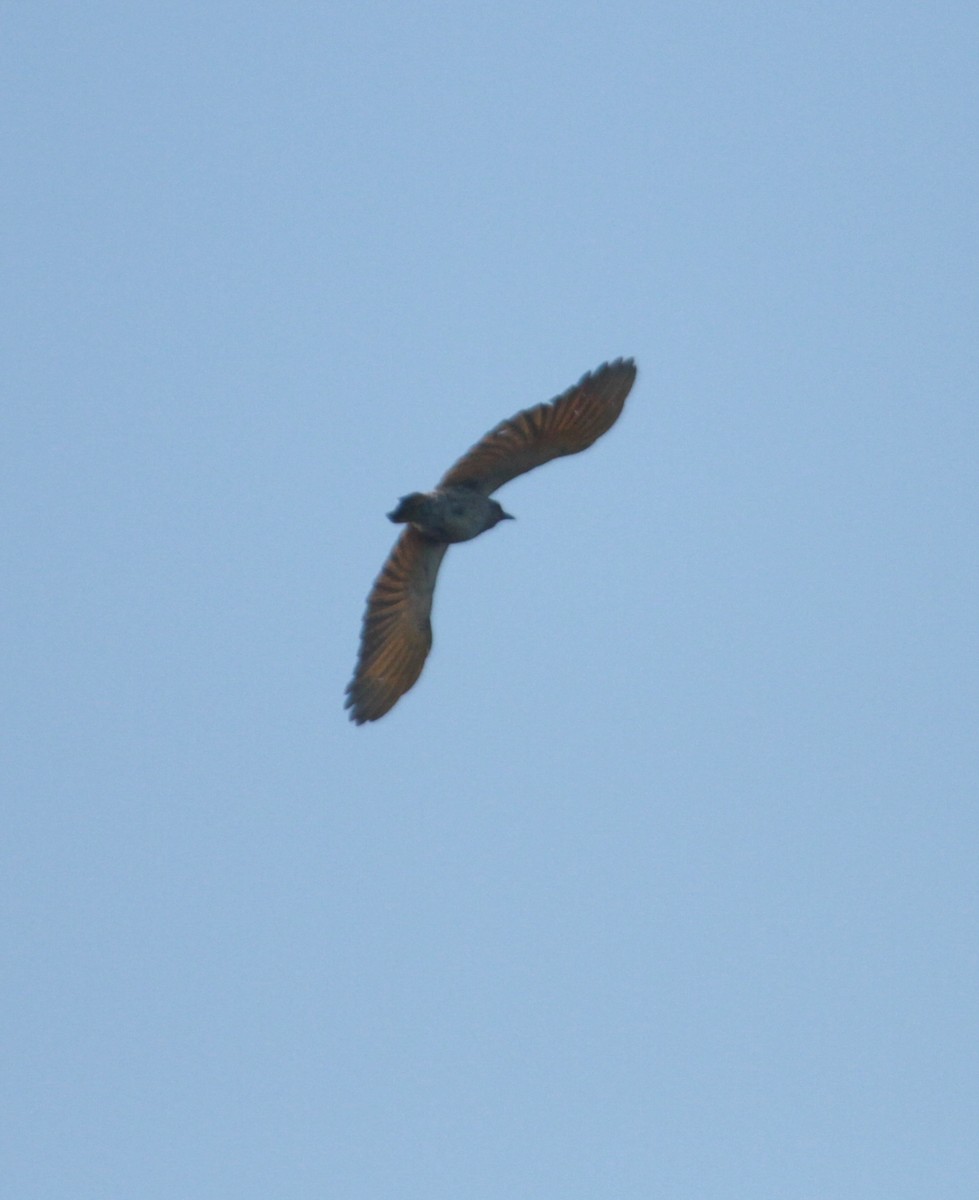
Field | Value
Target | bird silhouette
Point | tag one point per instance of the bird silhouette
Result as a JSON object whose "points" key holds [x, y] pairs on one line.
{"points": [[397, 630]]}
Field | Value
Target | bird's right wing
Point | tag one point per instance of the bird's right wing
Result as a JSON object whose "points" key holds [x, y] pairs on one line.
{"points": [[566, 425], [397, 631]]}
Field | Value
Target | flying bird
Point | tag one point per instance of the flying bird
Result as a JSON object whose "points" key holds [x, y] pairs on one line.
{"points": [[397, 630]]}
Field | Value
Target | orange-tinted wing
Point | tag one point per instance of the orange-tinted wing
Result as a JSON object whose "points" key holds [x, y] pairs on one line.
{"points": [[397, 632], [566, 425]]}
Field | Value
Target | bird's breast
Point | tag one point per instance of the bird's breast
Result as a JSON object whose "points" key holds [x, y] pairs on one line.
{"points": [[453, 515]]}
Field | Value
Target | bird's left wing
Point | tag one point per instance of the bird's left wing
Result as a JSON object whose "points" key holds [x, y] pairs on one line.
{"points": [[566, 425], [397, 631]]}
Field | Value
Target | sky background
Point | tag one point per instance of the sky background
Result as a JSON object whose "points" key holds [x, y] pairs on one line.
{"points": [[663, 880]]}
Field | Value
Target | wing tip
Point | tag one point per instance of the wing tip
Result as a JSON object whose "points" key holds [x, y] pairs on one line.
{"points": [[626, 367], [361, 709]]}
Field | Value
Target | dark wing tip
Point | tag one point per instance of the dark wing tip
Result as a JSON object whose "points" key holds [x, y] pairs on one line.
{"points": [[373, 693], [355, 703], [618, 370], [363, 706], [626, 365]]}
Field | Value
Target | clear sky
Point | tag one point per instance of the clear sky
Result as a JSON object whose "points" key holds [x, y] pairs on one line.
{"points": [[664, 880]]}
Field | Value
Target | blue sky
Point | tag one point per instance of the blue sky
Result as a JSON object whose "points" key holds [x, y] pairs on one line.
{"points": [[662, 881]]}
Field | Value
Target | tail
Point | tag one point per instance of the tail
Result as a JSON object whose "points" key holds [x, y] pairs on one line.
{"points": [[409, 508]]}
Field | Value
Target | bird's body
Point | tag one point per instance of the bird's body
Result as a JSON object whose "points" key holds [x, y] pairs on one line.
{"points": [[397, 631], [453, 514]]}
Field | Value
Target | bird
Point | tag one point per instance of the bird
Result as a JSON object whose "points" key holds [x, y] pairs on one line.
{"points": [[396, 635]]}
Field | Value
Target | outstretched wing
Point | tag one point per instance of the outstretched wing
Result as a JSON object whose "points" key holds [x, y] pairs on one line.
{"points": [[566, 425], [397, 631]]}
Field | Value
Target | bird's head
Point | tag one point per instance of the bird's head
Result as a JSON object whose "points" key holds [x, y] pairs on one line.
{"points": [[499, 515]]}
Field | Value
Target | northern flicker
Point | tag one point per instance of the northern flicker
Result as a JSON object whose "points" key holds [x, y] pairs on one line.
{"points": [[397, 631]]}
